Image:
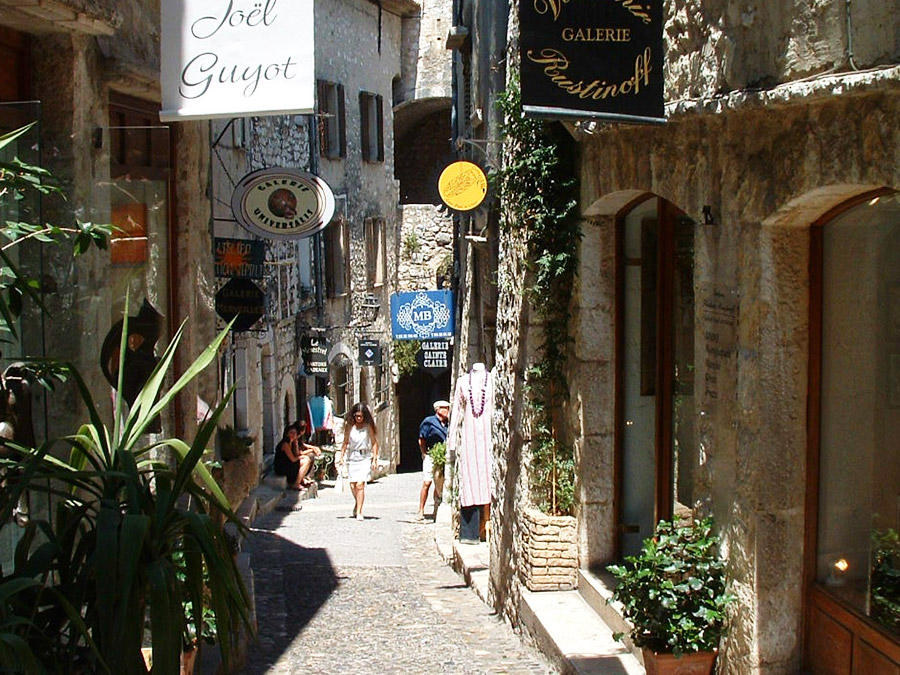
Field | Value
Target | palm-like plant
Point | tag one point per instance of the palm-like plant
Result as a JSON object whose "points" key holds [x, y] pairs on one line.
{"points": [[123, 514]]}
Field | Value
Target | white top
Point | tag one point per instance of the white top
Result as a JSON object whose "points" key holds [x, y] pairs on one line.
{"points": [[360, 445]]}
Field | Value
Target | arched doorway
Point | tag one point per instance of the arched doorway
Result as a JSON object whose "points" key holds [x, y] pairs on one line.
{"points": [[416, 392], [655, 367]]}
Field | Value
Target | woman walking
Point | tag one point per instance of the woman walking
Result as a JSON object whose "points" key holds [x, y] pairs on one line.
{"points": [[360, 451]]}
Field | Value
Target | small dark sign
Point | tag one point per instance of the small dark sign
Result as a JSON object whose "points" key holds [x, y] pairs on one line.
{"points": [[243, 299], [239, 258], [369, 353], [315, 355], [434, 356], [584, 58]]}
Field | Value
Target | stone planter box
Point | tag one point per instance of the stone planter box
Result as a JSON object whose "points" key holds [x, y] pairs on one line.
{"points": [[549, 552]]}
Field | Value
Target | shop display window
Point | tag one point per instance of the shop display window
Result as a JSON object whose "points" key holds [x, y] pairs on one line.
{"points": [[857, 549]]}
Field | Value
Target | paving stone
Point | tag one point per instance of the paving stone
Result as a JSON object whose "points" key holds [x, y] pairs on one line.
{"points": [[337, 595]]}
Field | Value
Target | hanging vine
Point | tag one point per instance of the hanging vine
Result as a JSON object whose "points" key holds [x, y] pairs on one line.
{"points": [[539, 189]]}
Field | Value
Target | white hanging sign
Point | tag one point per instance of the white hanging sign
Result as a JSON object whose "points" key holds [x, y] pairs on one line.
{"points": [[233, 58]]}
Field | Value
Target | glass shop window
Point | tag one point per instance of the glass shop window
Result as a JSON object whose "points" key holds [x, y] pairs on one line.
{"points": [[858, 554], [139, 203]]}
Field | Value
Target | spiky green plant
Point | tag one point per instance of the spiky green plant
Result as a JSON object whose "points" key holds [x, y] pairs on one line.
{"points": [[123, 515]]}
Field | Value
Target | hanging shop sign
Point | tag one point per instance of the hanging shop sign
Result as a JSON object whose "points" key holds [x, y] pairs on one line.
{"points": [[314, 350], [369, 353], [239, 258], [434, 356], [463, 186], [583, 58], [242, 300], [422, 315], [235, 58], [282, 203]]}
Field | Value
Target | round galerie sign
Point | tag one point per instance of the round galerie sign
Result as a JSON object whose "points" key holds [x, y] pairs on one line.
{"points": [[462, 186], [282, 203]]}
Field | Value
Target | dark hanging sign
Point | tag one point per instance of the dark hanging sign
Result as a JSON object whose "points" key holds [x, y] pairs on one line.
{"points": [[239, 258], [434, 356], [243, 300], [369, 353], [315, 355], [592, 58]]}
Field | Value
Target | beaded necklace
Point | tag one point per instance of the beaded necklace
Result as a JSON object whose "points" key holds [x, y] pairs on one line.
{"points": [[477, 413]]}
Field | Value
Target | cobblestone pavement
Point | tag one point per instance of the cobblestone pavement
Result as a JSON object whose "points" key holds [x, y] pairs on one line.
{"points": [[336, 595]]}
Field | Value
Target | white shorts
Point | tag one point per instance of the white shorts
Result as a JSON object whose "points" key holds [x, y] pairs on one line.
{"points": [[427, 469], [360, 470]]}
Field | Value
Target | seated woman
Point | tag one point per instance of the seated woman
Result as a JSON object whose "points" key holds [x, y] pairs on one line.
{"points": [[294, 458]]}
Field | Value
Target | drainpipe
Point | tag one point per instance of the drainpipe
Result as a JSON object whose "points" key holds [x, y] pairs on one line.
{"points": [[318, 243], [850, 37]]}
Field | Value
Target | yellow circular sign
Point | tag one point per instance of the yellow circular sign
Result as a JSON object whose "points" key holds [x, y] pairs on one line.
{"points": [[462, 186]]}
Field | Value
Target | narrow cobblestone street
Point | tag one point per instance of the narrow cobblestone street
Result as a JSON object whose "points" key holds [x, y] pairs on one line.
{"points": [[336, 595]]}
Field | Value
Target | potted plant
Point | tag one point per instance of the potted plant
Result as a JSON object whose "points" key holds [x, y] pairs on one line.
{"points": [[123, 516], [674, 594], [884, 590]]}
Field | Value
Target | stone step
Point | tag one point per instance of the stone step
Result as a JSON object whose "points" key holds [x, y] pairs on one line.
{"points": [[597, 589], [574, 636]]}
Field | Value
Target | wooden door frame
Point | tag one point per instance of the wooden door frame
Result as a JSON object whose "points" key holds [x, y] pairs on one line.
{"points": [[666, 213]]}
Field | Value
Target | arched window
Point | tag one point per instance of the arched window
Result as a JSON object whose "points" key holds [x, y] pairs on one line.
{"points": [[854, 430]]}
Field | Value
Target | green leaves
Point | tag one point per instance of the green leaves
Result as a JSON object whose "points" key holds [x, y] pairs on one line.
{"points": [[538, 194], [674, 590]]}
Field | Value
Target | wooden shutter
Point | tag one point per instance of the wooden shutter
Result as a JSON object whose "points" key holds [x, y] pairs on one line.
{"points": [[379, 109], [341, 122], [322, 109]]}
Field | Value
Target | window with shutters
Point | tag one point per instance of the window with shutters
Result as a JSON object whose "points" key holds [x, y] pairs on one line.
{"points": [[376, 252], [332, 127], [337, 258], [371, 115]]}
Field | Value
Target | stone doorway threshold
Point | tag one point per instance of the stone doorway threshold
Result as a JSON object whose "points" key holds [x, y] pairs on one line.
{"points": [[572, 628]]}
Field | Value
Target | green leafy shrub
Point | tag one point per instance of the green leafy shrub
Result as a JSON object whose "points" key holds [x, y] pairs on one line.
{"points": [[674, 591], [405, 356], [438, 453], [885, 578], [539, 194]]}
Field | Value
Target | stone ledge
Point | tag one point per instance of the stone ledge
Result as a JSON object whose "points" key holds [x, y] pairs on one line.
{"points": [[571, 634]]}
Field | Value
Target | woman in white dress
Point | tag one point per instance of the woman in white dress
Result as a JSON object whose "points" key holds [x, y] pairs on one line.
{"points": [[360, 451]]}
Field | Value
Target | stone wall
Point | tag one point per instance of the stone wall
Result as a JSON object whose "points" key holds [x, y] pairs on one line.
{"points": [[549, 559], [425, 244], [751, 264]]}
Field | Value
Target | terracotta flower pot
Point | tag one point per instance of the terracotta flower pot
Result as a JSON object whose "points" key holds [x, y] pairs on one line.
{"points": [[187, 661], [694, 663]]}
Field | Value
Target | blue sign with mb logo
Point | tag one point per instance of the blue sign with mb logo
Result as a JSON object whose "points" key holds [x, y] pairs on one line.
{"points": [[422, 315]]}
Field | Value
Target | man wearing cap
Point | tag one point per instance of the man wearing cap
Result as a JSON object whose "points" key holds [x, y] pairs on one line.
{"points": [[432, 430]]}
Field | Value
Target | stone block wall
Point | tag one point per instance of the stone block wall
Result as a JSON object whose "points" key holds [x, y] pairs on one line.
{"points": [[549, 552]]}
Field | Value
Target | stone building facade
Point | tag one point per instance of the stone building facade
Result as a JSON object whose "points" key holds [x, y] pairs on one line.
{"points": [[731, 348], [334, 286], [87, 73]]}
